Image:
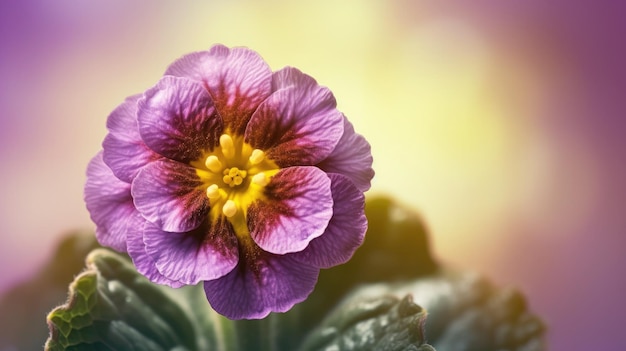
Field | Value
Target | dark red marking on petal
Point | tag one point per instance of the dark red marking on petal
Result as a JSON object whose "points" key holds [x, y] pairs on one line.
{"points": [[263, 284], [237, 78], [235, 114], [177, 118], [220, 235], [171, 195], [204, 253], [251, 257], [295, 208], [296, 126], [279, 189]]}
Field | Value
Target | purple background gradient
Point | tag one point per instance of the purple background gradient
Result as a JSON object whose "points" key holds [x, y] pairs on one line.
{"points": [[501, 122]]}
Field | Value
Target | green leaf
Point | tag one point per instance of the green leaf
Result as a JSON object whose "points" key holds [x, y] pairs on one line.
{"points": [[377, 323], [465, 312], [112, 307]]}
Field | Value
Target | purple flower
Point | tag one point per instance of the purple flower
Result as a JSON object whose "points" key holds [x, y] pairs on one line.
{"points": [[233, 175]]}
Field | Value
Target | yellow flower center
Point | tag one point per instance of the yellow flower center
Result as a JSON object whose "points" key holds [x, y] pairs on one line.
{"points": [[234, 175]]}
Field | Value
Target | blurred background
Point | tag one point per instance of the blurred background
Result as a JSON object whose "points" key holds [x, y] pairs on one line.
{"points": [[501, 123]]}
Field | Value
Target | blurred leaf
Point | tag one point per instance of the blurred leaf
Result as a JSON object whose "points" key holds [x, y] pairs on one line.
{"points": [[467, 313], [112, 307], [22, 324]]}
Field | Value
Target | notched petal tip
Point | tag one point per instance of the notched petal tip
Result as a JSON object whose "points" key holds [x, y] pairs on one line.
{"points": [[352, 157], [110, 205], [237, 78], [177, 119], [170, 195], [254, 289], [345, 231], [205, 253], [296, 126]]}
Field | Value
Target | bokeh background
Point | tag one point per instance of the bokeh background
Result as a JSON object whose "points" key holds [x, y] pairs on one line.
{"points": [[501, 122]]}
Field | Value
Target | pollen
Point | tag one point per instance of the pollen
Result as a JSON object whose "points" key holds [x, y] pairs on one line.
{"points": [[229, 209], [234, 176]]}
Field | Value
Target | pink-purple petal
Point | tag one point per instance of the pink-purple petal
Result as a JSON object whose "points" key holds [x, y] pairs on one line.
{"points": [[270, 283], [296, 126], [170, 195], [351, 157], [238, 80], [124, 150], [178, 120], [289, 77], [346, 230], [205, 253], [144, 263], [110, 205], [296, 208]]}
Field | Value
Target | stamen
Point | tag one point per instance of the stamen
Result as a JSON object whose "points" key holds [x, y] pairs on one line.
{"points": [[260, 179], [234, 176], [228, 146], [257, 156], [229, 209], [228, 180], [213, 192], [213, 164]]}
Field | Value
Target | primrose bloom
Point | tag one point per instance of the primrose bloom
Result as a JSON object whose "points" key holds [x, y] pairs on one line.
{"points": [[227, 173]]}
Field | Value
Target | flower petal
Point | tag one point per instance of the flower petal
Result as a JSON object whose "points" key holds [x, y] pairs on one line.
{"points": [[178, 120], [238, 80], [346, 230], [110, 205], [144, 263], [295, 209], [296, 126], [124, 150], [170, 195], [351, 157], [267, 283], [205, 253], [289, 77]]}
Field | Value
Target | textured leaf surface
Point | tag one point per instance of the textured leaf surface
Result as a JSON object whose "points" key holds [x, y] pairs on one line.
{"points": [[467, 313], [378, 323], [112, 307]]}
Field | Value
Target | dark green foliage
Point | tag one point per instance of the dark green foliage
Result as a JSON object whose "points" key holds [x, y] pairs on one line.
{"points": [[112, 307], [370, 303]]}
